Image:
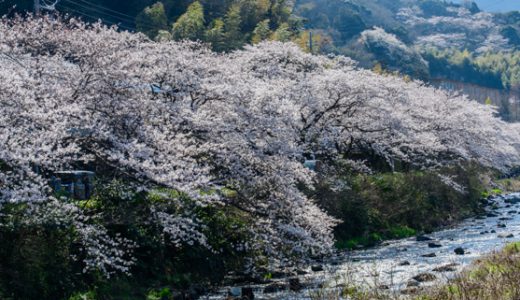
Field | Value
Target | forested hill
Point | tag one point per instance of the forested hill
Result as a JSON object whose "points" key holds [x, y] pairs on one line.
{"points": [[424, 39]]}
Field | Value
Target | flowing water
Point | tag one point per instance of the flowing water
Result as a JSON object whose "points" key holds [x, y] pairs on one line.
{"points": [[392, 265]]}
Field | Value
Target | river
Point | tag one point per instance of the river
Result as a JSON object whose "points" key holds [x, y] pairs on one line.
{"points": [[391, 266]]}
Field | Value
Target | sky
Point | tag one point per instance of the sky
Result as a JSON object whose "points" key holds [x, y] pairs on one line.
{"points": [[498, 5]]}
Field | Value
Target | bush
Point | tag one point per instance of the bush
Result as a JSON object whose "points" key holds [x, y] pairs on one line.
{"points": [[37, 262], [400, 204]]}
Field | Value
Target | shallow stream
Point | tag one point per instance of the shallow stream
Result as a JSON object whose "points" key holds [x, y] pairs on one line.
{"points": [[393, 265]]}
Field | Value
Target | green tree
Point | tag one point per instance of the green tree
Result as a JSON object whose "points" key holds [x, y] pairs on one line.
{"points": [[152, 19], [280, 12], [191, 24], [216, 36], [163, 35], [232, 22], [283, 33], [261, 32]]}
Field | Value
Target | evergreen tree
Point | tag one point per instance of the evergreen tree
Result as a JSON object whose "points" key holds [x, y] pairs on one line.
{"points": [[152, 19], [261, 32], [283, 33], [215, 35], [232, 22], [191, 24]]}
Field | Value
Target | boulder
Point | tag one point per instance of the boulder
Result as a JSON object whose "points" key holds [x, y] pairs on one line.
{"points": [[411, 290], [434, 245], [301, 272], [425, 277], [459, 251], [317, 268], [274, 288], [512, 200], [429, 255], [423, 238], [412, 283], [446, 268], [295, 284], [404, 263], [247, 293], [501, 225]]}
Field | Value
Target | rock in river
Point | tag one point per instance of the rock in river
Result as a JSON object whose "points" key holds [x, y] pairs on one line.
{"points": [[317, 268], [425, 277], [459, 251], [423, 238], [446, 268], [434, 245], [429, 255], [274, 288], [247, 293], [295, 284]]}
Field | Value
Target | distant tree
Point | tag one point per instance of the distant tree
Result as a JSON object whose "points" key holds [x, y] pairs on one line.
{"points": [[152, 19], [163, 35], [378, 68], [283, 33], [261, 32], [232, 24], [280, 12], [511, 34], [216, 36], [190, 26], [253, 12]]}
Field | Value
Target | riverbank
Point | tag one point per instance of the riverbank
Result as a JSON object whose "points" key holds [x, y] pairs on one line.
{"points": [[405, 268], [495, 276], [394, 205]]}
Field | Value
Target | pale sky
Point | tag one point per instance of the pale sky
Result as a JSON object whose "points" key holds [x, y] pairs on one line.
{"points": [[498, 5]]}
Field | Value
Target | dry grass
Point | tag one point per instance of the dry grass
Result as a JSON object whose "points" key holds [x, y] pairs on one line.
{"points": [[496, 277], [510, 184]]}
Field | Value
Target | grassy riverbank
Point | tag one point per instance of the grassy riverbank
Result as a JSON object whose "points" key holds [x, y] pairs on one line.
{"points": [[396, 205], [493, 277]]}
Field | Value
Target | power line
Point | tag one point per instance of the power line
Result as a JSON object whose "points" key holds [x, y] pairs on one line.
{"points": [[75, 4], [106, 8], [97, 18], [130, 20]]}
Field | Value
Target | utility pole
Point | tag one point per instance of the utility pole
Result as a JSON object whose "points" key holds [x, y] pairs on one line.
{"points": [[37, 7]]}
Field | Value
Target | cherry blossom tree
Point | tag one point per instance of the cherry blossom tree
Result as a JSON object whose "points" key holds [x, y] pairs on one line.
{"points": [[176, 115]]}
